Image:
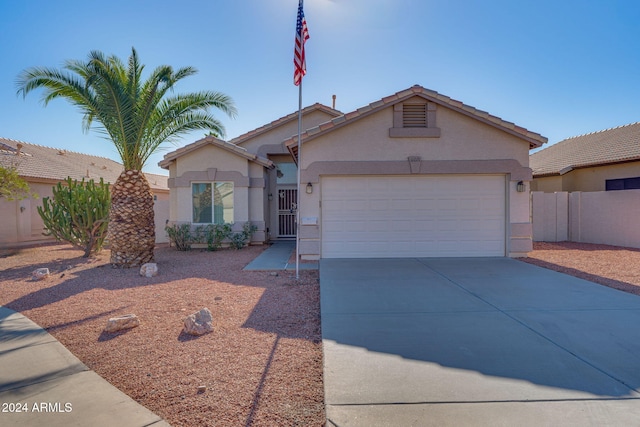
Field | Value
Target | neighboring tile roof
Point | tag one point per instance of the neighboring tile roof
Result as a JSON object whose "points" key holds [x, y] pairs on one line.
{"points": [[39, 162], [534, 139], [211, 140], [282, 120], [615, 145]]}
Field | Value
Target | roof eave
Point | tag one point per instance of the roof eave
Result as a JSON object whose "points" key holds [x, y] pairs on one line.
{"points": [[535, 140], [241, 139], [565, 170], [210, 140]]}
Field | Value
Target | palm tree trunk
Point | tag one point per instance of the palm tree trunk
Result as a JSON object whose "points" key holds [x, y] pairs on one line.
{"points": [[131, 231]]}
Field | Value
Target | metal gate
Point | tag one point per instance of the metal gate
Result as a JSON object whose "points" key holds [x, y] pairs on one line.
{"points": [[287, 199]]}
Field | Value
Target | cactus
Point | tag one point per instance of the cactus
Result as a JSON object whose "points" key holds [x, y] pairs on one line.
{"points": [[78, 214]]}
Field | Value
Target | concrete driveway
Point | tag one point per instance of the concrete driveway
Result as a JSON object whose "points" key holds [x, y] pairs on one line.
{"points": [[475, 341]]}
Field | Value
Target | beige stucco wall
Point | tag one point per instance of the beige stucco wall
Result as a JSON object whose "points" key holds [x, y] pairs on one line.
{"points": [[275, 136], [466, 145], [607, 217], [602, 217], [548, 184], [211, 156], [161, 215], [587, 179], [24, 226], [21, 223], [211, 163], [594, 179], [462, 138], [550, 216]]}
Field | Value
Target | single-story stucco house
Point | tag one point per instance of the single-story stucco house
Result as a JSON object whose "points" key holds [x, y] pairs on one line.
{"points": [[599, 161], [43, 168], [413, 174]]}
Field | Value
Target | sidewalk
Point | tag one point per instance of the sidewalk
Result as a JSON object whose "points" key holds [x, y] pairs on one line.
{"points": [[277, 256], [42, 383]]}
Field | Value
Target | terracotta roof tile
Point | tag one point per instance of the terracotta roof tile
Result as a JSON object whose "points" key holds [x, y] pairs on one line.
{"points": [[608, 146], [211, 140], [39, 162], [282, 120], [390, 98]]}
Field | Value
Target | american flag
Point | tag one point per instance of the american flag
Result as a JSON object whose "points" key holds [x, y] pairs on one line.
{"points": [[302, 34]]}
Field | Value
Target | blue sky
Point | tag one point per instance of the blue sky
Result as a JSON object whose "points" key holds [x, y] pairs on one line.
{"points": [[559, 68]]}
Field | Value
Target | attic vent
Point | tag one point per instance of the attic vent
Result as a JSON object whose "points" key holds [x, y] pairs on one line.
{"points": [[414, 115], [61, 152], [414, 119]]}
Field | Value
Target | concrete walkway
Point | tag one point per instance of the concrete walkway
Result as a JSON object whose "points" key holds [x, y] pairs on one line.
{"points": [[475, 342], [276, 257], [43, 384]]}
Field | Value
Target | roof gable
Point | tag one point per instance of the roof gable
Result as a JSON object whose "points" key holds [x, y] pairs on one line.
{"points": [[615, 145], [211, 140], [534, 139], [239, 140], [46, 163]]}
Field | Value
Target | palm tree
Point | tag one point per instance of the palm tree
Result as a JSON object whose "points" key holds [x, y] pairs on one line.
{"points": [[137, 116]]}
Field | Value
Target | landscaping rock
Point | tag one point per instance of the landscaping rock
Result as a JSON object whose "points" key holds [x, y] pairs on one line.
{"points": [[40, 274], [199, 323], [149, 269], [127, 321]]}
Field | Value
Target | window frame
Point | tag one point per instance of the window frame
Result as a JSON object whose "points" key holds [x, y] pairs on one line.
{"points": [[213, 210], [630, 183]]}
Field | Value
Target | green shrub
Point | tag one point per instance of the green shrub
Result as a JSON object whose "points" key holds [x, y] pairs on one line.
{"points": [[78, 214], [12, 186], [239, 240], [180, 236], [216, 234]]}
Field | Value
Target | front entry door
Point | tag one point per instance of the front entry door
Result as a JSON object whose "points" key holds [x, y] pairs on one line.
{"points": [[287, 199]]}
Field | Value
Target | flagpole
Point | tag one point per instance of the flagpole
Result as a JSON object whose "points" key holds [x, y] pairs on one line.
{"points": [[302, 34], [298, 181]]}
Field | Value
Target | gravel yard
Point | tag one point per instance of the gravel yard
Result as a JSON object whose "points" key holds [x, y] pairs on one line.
{"points": [[262, 364], [611, 266]]}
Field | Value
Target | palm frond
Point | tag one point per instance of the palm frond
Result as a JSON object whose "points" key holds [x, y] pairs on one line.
{"points": [[137, 115]]}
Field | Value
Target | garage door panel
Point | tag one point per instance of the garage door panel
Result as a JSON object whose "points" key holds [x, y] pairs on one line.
{"points": [[380, 216]]}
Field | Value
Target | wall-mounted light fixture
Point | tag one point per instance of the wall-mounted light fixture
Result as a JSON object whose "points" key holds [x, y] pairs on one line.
{"points": [[309, 188], [22, 209], [270, 196], [520, 187]]}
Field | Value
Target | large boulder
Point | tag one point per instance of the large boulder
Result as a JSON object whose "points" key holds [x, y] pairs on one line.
{"points": [[199, 323], [149, 269]]}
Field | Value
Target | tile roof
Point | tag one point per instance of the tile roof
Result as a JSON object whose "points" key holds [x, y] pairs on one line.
{"points": [[211, 140], [534, 139], [39, 162], [615, 145], [282, 120]]}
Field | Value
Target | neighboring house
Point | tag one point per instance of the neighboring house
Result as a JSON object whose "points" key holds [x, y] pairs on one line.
{"points": [[42, 168], [414, 174], [598, 161]]}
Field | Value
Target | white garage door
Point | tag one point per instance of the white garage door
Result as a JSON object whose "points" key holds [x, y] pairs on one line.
{"points": [[417, 216]]}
